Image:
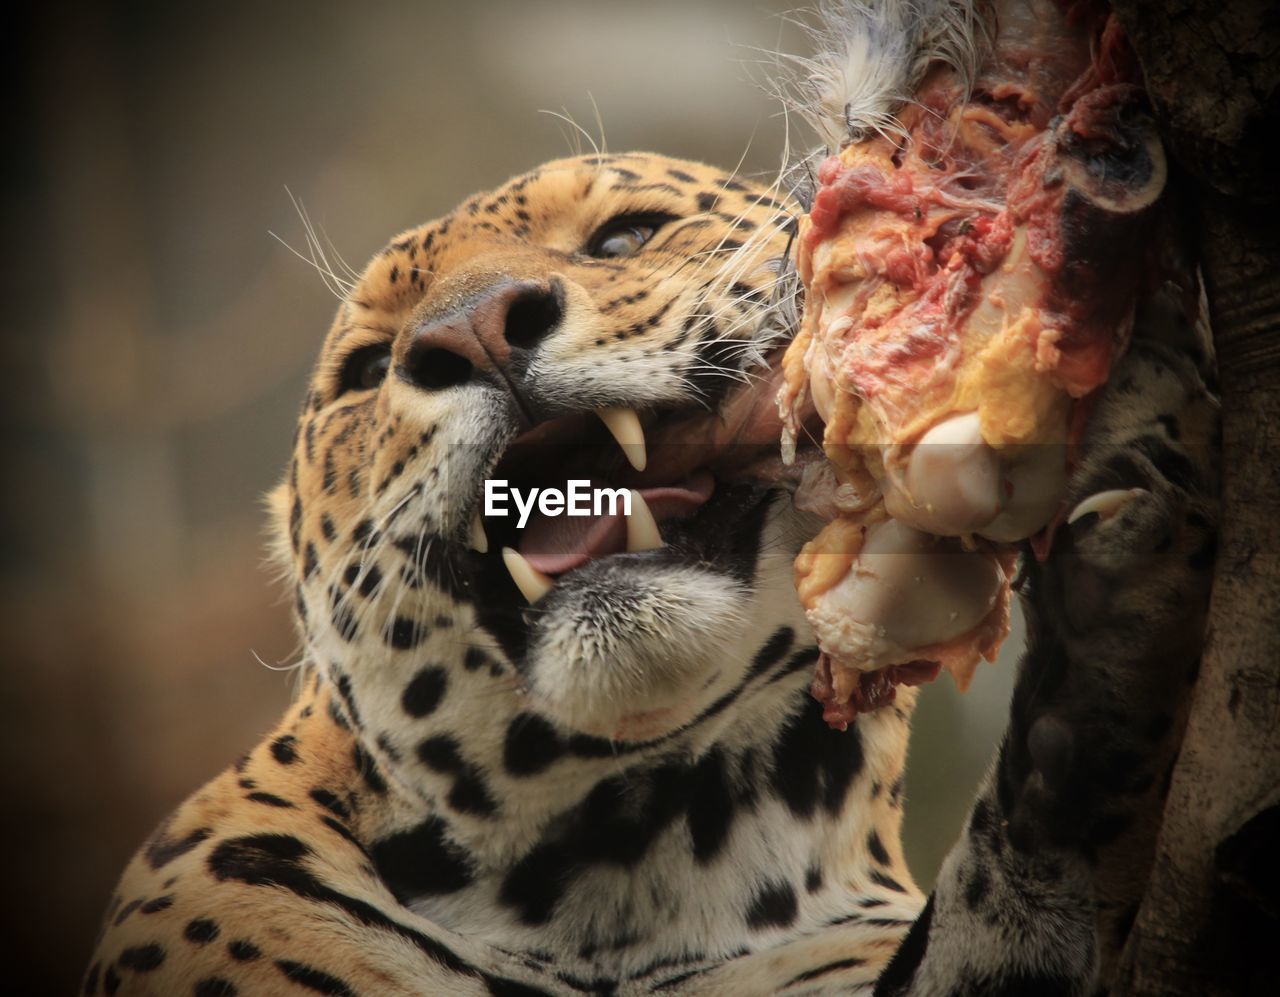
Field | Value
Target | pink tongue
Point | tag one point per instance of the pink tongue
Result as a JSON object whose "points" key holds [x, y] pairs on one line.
{"points": [[556, 544]]}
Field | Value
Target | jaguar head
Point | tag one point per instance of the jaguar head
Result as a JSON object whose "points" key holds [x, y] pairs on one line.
{"points": [[601, 333]]}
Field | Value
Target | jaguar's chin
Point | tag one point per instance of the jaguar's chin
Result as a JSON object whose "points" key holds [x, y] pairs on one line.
{"points": [[622, 650]]}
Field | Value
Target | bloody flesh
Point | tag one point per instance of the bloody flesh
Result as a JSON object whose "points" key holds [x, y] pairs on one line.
{"points": [[981, 262]]}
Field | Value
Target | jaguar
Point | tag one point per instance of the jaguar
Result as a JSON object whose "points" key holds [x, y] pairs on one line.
{"points": [[582, 757]]}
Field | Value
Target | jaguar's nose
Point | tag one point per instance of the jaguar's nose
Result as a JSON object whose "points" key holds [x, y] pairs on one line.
{"points": [[491, 332]]}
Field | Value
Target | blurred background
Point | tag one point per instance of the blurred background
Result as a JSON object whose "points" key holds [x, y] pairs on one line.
{"points": [[159, 338]]}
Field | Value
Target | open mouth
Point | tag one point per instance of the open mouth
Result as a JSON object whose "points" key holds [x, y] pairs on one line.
{"points": [[694, 481]]}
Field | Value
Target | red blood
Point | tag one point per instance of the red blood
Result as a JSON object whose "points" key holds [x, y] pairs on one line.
{"points": [[875, 689], [909, 267], [843, 190], [829, 170]]}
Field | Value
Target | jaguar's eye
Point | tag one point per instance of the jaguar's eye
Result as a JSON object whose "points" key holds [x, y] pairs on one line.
{"points": [[366, 368], [624, 242], [624, 235]]}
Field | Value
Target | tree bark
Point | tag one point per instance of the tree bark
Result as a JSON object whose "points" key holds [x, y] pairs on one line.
{"points": [[1211, 915]]}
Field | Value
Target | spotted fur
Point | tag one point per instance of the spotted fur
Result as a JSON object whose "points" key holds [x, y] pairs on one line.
{"points": [[626, 788]]}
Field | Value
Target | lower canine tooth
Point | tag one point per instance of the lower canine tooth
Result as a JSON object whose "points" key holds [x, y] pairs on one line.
{"points": [[625, 426], [642, 528], [1105, 504], [479, 541], [531, 582]]}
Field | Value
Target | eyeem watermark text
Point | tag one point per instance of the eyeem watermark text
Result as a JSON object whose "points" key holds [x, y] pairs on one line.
{"points": [[578, 499]]}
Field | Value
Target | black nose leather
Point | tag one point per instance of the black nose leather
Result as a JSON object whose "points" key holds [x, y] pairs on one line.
{"points": [[491, 332]]}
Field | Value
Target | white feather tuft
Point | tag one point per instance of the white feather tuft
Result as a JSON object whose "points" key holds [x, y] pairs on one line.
{"points": [[871, 55]]}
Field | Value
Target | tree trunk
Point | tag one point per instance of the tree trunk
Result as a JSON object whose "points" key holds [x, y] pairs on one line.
{"points": [[1211, 915]]}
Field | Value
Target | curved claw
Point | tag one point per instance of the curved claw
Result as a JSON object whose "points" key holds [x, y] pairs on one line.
{"points": [[1105, 504]]}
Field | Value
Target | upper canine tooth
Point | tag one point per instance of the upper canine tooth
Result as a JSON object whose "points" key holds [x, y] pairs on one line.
{"points": [[642, 528], [624, 424], [479, 539], [1105, 504], [531, 582]]}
